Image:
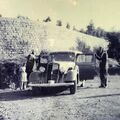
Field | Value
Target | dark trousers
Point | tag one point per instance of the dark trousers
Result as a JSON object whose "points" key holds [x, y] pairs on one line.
{"points": [[28, 74], [103, 77]]}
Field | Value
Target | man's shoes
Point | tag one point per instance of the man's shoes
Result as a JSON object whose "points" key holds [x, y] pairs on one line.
{"points": [[102, 86], [81, 85]]}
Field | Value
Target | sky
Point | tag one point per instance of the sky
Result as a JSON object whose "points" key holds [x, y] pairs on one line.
{"points": [[79, 13]]}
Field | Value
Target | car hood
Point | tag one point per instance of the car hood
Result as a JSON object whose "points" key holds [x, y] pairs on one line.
{"points": [[65, 65]]}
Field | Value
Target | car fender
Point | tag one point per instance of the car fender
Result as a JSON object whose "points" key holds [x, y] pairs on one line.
{"points": [[71, 75]]}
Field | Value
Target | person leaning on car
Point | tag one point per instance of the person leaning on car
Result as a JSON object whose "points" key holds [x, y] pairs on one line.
{"points": [[102, 56]]}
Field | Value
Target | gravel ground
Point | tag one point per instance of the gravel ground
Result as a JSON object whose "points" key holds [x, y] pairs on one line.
{"points": [[89, 103]]}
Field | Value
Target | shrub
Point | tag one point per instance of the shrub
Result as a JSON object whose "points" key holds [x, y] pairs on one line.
{"points": [[9, 73]]}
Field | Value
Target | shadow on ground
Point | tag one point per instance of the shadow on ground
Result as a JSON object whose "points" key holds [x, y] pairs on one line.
{"points": [[99, 96], [28, 94]]}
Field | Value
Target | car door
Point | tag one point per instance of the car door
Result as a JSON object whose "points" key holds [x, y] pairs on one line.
{"points": [[87, 66]]}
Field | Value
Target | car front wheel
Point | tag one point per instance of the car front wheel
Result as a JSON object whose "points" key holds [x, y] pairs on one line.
{"points": [[73, 88]]}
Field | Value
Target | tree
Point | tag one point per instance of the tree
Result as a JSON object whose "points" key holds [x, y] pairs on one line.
{"points": [[90, 28], [81, 46], [22, 17], [114, 47], [59, 23], [68, 26], [99, 32], [48, 19]]}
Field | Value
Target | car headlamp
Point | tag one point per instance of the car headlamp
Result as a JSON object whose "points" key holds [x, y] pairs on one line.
{"points": [[42, 69]]}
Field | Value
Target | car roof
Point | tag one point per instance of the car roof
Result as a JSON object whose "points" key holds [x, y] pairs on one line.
{"points": [[67, 51], [112, 61]]}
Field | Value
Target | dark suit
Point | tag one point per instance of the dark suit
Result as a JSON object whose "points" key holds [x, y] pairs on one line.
{"points": [[102, 57], [30, 64]]}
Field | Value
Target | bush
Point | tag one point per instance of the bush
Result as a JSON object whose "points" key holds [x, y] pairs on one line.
{"points": [[9, 74]]}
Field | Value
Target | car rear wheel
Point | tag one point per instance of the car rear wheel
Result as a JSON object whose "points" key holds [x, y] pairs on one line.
{"points": [[73, 88]]}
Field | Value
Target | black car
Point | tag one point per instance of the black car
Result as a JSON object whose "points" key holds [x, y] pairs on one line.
{"points": [[113, 67]]}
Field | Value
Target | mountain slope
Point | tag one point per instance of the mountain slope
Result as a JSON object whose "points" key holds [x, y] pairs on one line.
{"points": [[18, 36]]}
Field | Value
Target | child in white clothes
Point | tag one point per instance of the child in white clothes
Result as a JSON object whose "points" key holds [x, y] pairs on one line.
{"points": [[23, 77]]}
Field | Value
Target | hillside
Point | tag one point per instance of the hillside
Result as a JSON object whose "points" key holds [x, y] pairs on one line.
{"points": [[18, 36]]}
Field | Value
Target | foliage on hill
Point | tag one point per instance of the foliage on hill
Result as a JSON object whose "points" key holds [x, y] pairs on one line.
{"points": [[18, 36], [112, 37]]}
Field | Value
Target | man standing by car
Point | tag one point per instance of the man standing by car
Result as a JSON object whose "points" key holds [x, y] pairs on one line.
{"points": [[30, 64], [102, 56]]}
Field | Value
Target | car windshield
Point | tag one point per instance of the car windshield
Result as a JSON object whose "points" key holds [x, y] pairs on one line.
{"points": [[62, 56]]}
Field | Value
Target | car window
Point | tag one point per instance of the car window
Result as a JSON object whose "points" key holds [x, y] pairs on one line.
{"points": [[84, 58], [62, 56]]}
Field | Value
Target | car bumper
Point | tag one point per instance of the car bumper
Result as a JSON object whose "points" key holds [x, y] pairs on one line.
{"points": [[51, 84]]}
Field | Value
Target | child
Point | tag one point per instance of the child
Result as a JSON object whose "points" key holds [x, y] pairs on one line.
{"points": [[23, 77]]}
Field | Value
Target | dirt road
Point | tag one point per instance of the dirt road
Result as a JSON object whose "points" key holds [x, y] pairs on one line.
{"points": [[89, 103]]}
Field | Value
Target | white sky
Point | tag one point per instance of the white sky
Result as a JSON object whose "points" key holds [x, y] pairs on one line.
{"points": [[104, 13]]}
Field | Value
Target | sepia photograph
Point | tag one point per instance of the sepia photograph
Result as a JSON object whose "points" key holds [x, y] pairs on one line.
{"points": [[59, 60]]}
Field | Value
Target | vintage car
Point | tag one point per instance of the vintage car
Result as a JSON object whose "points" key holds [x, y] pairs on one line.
{"points": [[113, 67], [62, 69]]}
